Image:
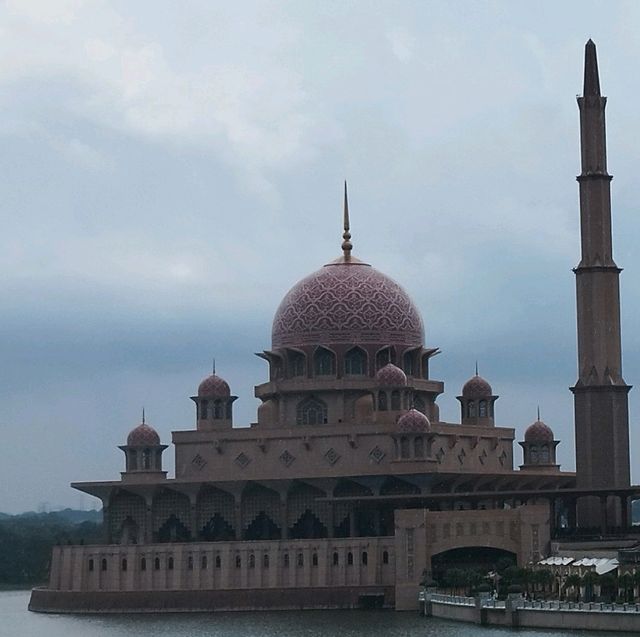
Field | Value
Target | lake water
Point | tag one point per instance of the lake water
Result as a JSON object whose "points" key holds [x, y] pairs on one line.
{"points": [[17, 621]]}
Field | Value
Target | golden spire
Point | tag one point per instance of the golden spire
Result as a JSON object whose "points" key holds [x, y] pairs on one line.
{"points": [[346, 235]]}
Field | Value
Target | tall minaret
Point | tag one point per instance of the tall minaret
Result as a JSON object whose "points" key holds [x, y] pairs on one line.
{"points": [[600, 394]]}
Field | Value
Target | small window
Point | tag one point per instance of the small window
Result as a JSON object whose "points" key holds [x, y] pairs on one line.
{"points": [[349, 558], [311, 411], [300, 559], [324, 362], [218, 561], [471, 409], [190, 562], [252, 561], [365, 558], [419, 404], [103, 564], [407, 363], [238, 561], [418, 447], [90, 565], [355, 362], [285, 561], [382, 401], [314, 559], [482, 409], [170, 564], [156, 563], [265, 560], [203, 562], [146, 459], [336, 559], [204, 409], [143, 564], [404, 447], [296, 364], [385, 557], [217, 410], [124, 564], [395, 400]]}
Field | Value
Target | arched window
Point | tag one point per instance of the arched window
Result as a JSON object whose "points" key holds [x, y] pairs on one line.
{"points": [[203, 562], [124, 563], [533, 454], [544, 454], [385, 557], [265, 560], [324, 362], [365, 558], [156, 564], [336, 559], [143, 564], [146, 459], [382, 401], [418, 447], [170, 563], [404, 447], [204, 409], [419, 404], [285, 560], [395, 400], [190, 563], [355, 362], [314, 559], [311, 411], [218, 561], [471, 409], [383, 357], [482, 409], [349, 558], [252, 561], [300, 560], [297, 364], [407, 363], [103, 564], [238, 561], [217, 410], [90, 565]]}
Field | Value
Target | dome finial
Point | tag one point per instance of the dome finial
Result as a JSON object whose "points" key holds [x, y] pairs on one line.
{"points": [[538, 413], [346, 235], [476, 367], [213, 367], [143, 422]]}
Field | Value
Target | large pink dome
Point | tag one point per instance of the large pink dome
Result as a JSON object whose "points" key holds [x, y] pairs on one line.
{"points": [[347, 302]]}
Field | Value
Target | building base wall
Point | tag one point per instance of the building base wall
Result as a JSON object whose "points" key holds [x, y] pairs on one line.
{"points": [[50, 601]]}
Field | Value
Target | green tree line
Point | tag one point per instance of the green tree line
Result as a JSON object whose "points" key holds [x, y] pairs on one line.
{"points": [[26, 542]]}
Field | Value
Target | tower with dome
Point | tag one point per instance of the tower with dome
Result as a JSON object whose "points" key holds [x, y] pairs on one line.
{"points": [[349, 489]]}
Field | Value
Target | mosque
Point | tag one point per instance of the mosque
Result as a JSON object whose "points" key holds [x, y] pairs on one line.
{"points": [[349, 489]]}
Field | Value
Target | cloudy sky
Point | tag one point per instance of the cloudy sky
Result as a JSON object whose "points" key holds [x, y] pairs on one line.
{"points": [[169, 170]]}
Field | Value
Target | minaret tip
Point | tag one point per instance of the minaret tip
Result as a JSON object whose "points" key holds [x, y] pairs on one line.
{"points": [[346, 235], [476, 368], [143, 419], [539, 405], [213, 367], [591, 78]]}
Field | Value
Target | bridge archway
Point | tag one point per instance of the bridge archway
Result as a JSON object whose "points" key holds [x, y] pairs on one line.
{"points": [[470, 559]]}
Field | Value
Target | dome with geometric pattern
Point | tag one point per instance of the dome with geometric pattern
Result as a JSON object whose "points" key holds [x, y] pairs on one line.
{"points": [[413, 421], [347, 301], [143, 436], [214, 387], [391, 376], [538, 432], [477, 387]]}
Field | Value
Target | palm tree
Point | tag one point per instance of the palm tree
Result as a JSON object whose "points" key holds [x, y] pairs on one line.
{"points": [[589, 580]]}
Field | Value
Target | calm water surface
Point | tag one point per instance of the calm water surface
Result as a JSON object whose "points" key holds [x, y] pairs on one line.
{"points": [[16, 621]]}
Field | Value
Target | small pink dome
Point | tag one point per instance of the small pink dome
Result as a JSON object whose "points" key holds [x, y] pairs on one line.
{"points": [[477, 387], [413, 421], [214, 387], [538, 432], [391, 376], [143, 436], [347, 302]]}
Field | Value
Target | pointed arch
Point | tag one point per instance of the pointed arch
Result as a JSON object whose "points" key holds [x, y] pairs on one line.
{"points": [[311, 411], [296, 363], [355, 362], [324, 362]]}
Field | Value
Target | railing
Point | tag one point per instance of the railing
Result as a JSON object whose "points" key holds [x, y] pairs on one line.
{"points": [[457, 600], [579, 606]]}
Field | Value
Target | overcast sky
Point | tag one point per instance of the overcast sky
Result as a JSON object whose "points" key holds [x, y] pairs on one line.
{"points": [[169, 170]]}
